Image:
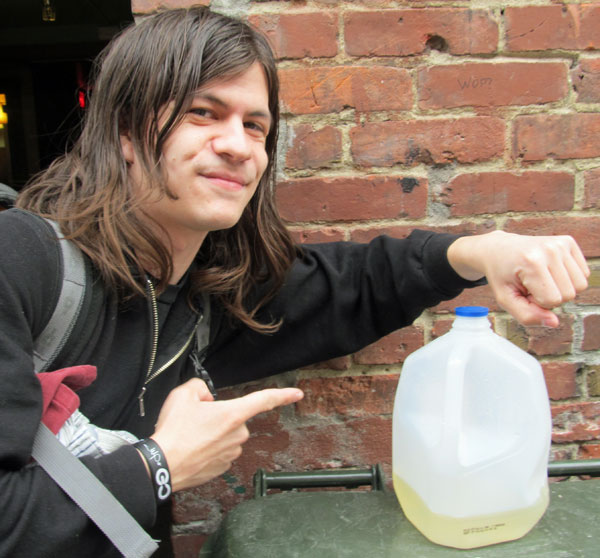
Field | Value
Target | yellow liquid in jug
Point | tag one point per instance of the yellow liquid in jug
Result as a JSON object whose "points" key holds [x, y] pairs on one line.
{"points": [[469, 532]]}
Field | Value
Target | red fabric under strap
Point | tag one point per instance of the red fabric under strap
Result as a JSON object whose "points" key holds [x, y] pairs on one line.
{"points": [[58, 392]]}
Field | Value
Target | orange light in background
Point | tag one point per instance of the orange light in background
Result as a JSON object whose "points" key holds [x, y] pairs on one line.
{"points": [[48, 11], [3, 115]]}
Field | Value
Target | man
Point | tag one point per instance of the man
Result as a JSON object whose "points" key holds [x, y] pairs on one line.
{"points": [[168, 192]]}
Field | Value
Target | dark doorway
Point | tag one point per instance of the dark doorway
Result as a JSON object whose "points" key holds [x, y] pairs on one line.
{"points": [[46, 52]]}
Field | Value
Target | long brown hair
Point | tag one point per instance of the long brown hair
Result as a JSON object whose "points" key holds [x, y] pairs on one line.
{"points": [[165, 58]]}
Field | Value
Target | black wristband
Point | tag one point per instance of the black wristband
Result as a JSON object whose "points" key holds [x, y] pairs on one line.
{"points": [[159, 470]]}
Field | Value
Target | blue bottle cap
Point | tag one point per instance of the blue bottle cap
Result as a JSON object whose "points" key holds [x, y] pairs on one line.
{"points": [[472, 311]]}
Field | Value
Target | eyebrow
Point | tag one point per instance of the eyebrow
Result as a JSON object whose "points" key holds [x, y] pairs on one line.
{"points": [[216, 100]]}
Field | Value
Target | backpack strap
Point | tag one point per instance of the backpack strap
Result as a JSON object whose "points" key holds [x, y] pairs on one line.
{"points": [[91, 496], [79, 483], [55, 335]]}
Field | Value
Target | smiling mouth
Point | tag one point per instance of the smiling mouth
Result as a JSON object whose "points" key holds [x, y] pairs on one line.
{"points": [[227, 182]]}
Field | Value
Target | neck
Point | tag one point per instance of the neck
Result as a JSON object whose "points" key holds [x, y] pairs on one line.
{"points": [[183, 254]]}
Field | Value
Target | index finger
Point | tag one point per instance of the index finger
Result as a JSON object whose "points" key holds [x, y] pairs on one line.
{"points": [[265, 400]]}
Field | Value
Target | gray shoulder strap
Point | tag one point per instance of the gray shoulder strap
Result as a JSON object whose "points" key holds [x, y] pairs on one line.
{"points": [[203, 329], [55, 335], [91, 496]]}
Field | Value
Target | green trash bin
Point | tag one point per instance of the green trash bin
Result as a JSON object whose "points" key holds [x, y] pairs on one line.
{"points": [[368, 523]]}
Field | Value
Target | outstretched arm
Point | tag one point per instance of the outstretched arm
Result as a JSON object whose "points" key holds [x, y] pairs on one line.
{"points": [[529, 275]]}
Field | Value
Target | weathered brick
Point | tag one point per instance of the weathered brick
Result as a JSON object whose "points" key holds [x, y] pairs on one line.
{"points": [[339, 363], [348, 396], [325, 234], [585, 230], [340, 199], [561, 379], [311, 149], [592, 188], [428, 141], [586, 80], [500, 192], [556, 136], [441, 327], [543, 340], [593, 380], [478, 296], [368, 234], [576, 421], [330, 90], [356, 442], [591, 333], [412, 31], [187, 545], [590, 451], [150, 6], [309, 35], [491, 84], [393, 348], [568, 26]]}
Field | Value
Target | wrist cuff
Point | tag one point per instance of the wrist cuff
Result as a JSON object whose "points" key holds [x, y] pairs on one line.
{"points": [[159, 470]]}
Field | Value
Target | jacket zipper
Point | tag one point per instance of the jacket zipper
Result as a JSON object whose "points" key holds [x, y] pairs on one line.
{"points": [[151, 375]]}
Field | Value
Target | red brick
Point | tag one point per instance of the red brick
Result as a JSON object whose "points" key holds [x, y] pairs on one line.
{"points": [[188, 545], [330, 90], [576, 422], [340, 363], [366, 235], [348, 396], [591, 333], [593, 380], [441, 327], [478, 296], [356, 442], [585, 230], [428, 141], [586, 80], [393, 348], [591, 296], [309, 35], [592, 188], [543, 340], [501, 192], [561, 379], [150, 6], [340, 199], [325, 234], [489, 85], [407, 32], [556, 136], [590, 451], [553, 27], [189, 507], [312, 149]]}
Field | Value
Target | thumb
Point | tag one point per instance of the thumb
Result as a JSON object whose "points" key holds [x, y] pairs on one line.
{"points": [[528, 312], [265, 400]]}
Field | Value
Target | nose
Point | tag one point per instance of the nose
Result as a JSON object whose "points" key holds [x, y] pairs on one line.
{"points": [[232, 141]]}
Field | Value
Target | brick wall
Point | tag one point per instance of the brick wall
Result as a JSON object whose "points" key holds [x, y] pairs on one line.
{"points": [[403, 114]]}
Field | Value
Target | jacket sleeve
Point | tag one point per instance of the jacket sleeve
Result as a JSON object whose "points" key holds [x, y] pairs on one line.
{"points": [[338, 298], [37, 518]]}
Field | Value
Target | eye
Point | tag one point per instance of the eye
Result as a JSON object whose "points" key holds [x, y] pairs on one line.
{"points": [[256, 128], [202, 112]]}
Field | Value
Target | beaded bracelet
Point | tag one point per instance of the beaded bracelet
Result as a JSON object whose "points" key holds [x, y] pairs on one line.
{"points": [[159, 470]]}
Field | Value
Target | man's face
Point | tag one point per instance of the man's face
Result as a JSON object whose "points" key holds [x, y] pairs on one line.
{"points": [[213, 159]]}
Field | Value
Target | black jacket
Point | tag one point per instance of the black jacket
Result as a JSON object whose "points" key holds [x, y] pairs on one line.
{"points": [[337, 298]]}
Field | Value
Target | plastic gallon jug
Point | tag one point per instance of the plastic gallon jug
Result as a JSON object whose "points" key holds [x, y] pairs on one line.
{"points": [[471, 436]]}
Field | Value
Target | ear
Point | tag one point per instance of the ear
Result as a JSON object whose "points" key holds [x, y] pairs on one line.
{"points": [[127, 147]]}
